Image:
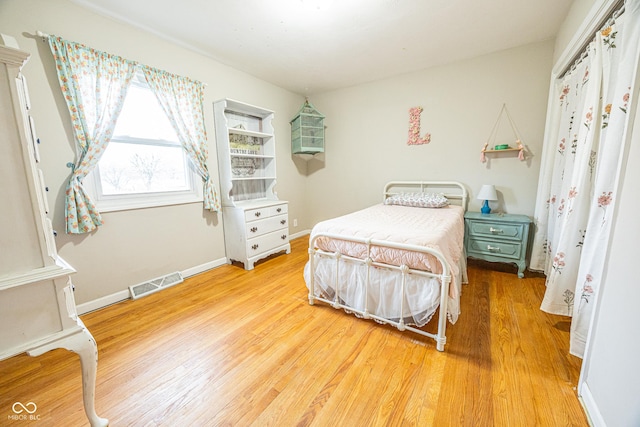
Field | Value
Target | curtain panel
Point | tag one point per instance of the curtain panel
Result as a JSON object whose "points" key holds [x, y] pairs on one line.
{"points": [[181, 99], [577, 190], [94, 85]]}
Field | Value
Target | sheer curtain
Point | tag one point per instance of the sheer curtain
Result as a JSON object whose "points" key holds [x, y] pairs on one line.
{"points": [[181, 100], [94, 85], [577, 189]]}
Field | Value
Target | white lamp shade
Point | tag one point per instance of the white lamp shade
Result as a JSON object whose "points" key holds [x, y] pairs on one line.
{"points": [[488, 192]]}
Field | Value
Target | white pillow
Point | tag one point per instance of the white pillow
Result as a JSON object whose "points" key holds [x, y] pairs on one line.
{"points": [[418, 200]]}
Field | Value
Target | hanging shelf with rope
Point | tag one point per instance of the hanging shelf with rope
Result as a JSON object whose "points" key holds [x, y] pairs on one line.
{"points": [[503, 148]]}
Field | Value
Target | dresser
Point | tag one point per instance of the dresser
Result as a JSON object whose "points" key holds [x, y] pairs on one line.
{"points": [[36, 294], [255, 231], [256, 222], [497, 238]]}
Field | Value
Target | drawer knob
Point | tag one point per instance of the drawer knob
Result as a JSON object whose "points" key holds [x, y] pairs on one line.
{"points": [[283, 237], [279, 210], [254, 229], [283, 222], [493, 248], [254, 247], [496, 230], [257, 214]]}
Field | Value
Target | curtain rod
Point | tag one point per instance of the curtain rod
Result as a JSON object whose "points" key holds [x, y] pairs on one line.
{"points": [[45, 36], [616, 10]]}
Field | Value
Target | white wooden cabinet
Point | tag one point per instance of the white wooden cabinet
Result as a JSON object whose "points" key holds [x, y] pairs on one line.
{"points": [[256, 222], [36, 294]]}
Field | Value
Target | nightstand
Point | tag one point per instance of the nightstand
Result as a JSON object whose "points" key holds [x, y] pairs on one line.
{"points": [[497, 238]]}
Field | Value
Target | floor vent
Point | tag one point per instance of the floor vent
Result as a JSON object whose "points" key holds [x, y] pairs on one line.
{"points": [[155, 285]]}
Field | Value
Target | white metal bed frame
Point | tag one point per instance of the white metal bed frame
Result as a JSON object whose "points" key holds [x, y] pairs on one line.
{"points": [[445, 276]]}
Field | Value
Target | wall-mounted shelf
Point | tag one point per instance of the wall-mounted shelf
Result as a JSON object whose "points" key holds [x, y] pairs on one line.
{"points": [[504, 150], [519, 150]]}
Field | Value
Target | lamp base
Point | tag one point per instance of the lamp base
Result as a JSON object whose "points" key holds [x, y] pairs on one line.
{"points": [[485, 208]]}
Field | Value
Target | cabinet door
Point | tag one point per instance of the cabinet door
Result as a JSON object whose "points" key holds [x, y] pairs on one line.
{"points": [[30, 312]]}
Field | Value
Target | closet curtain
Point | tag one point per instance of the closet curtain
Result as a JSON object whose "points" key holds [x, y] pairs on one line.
{"points": [[577, 191]]}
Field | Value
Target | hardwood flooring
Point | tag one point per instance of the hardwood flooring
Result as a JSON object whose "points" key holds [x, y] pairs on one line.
{"points": [[235, 348]]}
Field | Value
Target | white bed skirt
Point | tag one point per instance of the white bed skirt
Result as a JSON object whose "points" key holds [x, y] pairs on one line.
{"points": [[421, 297]]}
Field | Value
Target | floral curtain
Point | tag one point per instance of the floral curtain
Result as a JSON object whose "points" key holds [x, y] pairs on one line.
{"points": [[181, 99], [94, 85], [577, 188]]}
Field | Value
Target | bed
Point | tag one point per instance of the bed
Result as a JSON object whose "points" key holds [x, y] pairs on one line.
{"points": [[396, 262]]}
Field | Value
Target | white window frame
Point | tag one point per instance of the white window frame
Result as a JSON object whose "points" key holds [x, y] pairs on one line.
{"points": [[120, 202]]}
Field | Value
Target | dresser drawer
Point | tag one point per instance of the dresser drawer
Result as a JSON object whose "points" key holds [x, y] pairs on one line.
{"points": [[265, 212], [263, 226], [278, 209], [496, 229], [501, 249], [267, 242]]}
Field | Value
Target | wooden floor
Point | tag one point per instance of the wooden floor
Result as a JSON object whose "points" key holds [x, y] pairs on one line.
{"points": [[236, 348]]}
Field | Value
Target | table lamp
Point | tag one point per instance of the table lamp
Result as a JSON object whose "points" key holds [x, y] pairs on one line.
{"points": [[487, 192]]}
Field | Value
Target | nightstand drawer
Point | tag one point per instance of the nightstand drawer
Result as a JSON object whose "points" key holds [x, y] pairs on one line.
{"points": [[496, 229], [501, 249]]}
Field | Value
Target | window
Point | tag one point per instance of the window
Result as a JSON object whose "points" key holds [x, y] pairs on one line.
{"points": [[144, 164]]}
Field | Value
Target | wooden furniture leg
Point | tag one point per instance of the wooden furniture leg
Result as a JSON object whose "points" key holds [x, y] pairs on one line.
{"points": [[83, 344]]}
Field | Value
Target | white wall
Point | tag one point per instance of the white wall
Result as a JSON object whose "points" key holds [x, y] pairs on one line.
{"points": [[572, 23], [134, 246], [367, 128]]}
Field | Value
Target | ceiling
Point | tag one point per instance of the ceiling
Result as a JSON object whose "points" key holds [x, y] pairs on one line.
{"points": [[312, 46]]}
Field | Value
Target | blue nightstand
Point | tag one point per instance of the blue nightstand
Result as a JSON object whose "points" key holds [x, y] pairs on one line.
{"points": [[497, 238]]}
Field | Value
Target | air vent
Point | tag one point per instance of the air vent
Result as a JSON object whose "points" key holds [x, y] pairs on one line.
{"points": [[151, 286]]}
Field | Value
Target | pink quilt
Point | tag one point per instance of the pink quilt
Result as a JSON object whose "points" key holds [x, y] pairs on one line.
{"points": [[441, 229]]}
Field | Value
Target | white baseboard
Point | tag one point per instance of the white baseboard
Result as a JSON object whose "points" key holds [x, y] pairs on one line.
{"points": [[299, 234], [123, 295], [203, 267], [591, 407], [103, 301]]}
